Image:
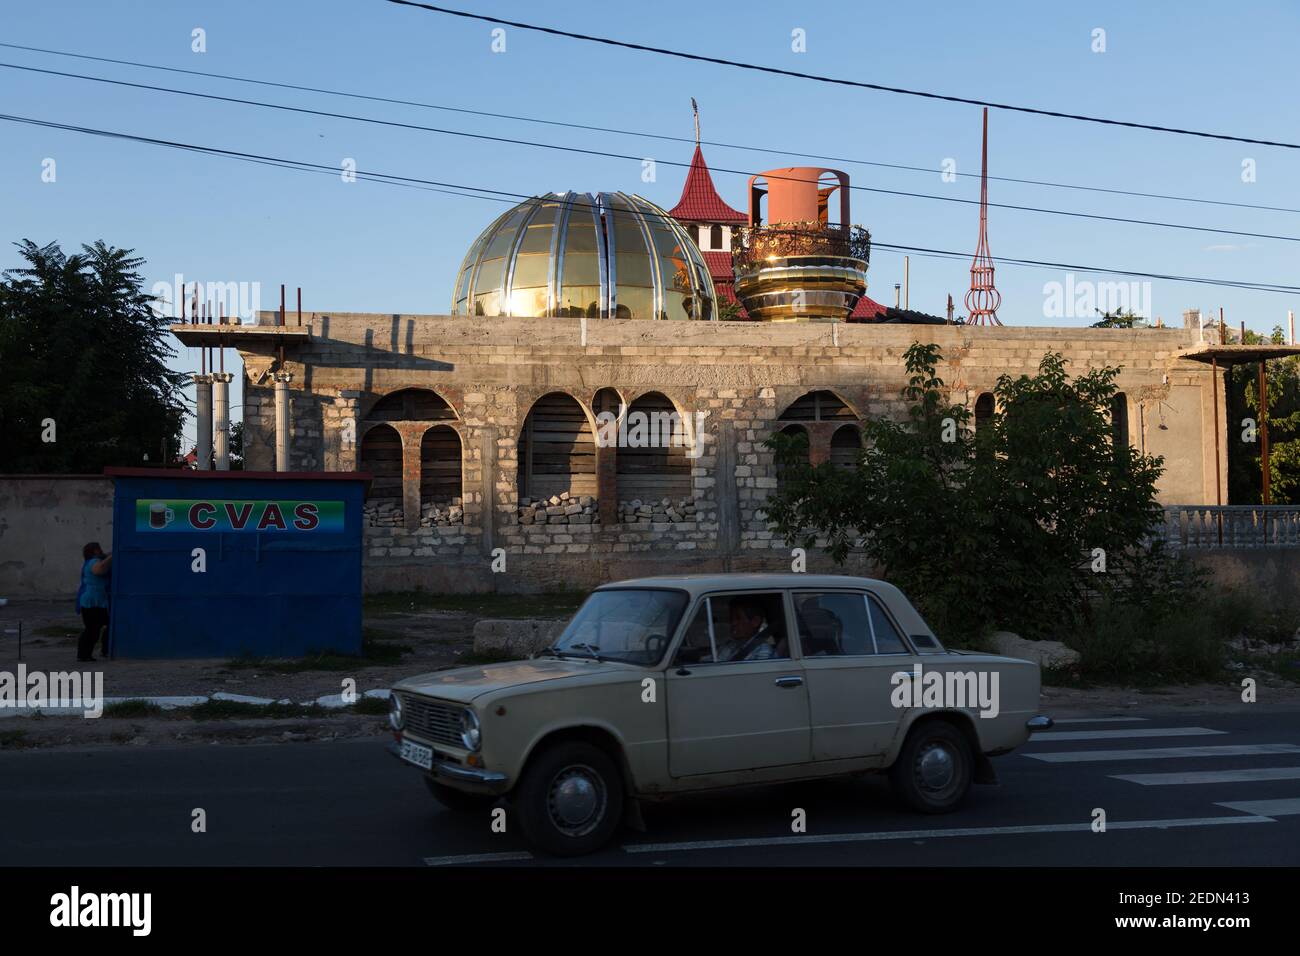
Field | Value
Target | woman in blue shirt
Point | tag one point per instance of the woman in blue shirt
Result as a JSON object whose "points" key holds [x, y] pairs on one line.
{"points": [[92, 599]]}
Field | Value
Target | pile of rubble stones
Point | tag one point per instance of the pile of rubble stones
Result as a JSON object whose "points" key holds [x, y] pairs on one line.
{"points": [[564, 508]]}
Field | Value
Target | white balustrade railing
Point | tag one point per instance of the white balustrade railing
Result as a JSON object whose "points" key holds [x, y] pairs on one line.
{"points": [[1232, 526]]}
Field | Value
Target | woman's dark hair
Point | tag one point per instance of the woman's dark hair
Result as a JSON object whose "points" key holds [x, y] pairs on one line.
{"points": [[90, 550]]}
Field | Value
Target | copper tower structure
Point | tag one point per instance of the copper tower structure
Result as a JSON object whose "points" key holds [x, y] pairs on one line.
{"points": [[982, 300]]}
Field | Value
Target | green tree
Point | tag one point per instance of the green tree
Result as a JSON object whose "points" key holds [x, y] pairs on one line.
{"points": [[987, 529], [84, 359], [1120, 320]]}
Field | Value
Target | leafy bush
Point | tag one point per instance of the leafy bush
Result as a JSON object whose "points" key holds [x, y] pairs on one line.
{"points": [[988, 529]]}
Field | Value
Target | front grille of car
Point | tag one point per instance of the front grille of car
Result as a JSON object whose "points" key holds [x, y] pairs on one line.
{"points": [[437, 722]]}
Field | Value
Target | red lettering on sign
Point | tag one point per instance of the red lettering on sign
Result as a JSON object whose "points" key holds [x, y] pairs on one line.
{"points": [[239, 518], [272, 516], [202, 523], [305, 517]]}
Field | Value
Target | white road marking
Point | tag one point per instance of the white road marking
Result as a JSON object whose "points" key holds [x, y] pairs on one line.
{"points": [[1266, 808], [475, 858], [1082, 826], [1097, 720], [1211, 776], [1048, 737], [1159, 753]]}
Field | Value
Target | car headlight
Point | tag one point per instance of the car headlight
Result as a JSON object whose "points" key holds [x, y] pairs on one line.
{"points": [[396, 718], [469, 730]]}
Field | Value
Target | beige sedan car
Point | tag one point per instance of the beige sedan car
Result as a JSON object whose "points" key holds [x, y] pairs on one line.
{"points": [[662, 686]]}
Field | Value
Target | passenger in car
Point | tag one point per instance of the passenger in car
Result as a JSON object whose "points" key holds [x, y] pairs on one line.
{"points": [[752, 639]]}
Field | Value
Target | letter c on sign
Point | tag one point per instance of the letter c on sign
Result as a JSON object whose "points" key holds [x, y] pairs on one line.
{"points": [[202, 523]]}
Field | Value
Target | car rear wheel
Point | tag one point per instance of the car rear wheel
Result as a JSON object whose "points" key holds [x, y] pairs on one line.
{"points": [[458, 800], [570, 800], [933, 771]]}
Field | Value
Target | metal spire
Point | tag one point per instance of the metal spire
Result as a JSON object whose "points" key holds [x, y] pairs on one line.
{"points": [[982, 300]]}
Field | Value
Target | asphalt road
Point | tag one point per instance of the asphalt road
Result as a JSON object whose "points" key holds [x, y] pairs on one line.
{"points": [[1234, 799]]}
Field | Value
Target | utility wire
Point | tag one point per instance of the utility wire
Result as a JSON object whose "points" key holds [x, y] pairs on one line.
{"points": [[700, 58], [626, 156], [643, 134], [477, 192]]}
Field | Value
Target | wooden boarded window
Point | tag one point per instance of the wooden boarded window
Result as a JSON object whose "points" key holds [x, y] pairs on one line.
{"points": [[846, 446], [557, 449], [794, 431], [1119, 420], [653, 463], [820, 406], [440, 464], [381, 456]]}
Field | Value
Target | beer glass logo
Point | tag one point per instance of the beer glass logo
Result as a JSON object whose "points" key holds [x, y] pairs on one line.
{"points": [[160, 516]]}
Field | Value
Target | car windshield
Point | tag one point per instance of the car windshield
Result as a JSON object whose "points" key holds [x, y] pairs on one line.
{"points": [[633, 625]]}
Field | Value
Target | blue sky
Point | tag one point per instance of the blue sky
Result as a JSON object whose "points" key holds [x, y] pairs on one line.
{"points": [[370, 247]]}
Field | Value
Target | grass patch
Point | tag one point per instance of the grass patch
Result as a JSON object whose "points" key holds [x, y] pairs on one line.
{"points": [[132, 708], [58, 630], [13, 739], [375, 652], [555, 604]]}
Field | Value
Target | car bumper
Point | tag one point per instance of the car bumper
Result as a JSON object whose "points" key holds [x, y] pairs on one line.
{"points": [[471, 779]]}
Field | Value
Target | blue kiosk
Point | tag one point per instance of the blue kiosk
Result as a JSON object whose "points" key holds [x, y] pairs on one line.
{"points": [[232, 563]]}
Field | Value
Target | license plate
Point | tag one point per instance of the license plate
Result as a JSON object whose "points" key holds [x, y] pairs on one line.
{"points": [[416, 754]]}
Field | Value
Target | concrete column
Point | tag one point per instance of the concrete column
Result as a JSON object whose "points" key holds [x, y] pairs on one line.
{"points": [[282, 380], [203, 421], [221, 419]]}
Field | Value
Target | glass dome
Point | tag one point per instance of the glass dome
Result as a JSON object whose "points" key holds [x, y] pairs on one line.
{"points": [[599, 255]]}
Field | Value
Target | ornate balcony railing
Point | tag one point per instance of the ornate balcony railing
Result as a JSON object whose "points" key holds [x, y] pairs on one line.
{"points": [[752, 244], [1201, 527]]}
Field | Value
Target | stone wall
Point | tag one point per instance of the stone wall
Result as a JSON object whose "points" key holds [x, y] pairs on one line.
{"points": [[45, 520], [739, 376]]}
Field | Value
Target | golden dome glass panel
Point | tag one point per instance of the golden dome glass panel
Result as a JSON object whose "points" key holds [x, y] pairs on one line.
{"points": [[599, 255]]}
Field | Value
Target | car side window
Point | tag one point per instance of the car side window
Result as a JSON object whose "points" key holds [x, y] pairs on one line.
{"points": [[745, 627], [832, 623], [888, 640]]}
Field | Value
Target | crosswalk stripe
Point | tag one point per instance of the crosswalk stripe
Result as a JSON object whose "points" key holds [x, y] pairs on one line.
{"points": [[1160, 753], [1211, 776], [1081, 826], [1046, 738], [475, 858], [1266, 808], [1098, 720]]}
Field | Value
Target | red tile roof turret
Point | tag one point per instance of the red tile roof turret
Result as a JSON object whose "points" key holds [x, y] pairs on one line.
{"points": [[700, 201]]}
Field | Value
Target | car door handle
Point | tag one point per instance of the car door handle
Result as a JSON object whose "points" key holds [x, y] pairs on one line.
{"points": [[788, 681]]}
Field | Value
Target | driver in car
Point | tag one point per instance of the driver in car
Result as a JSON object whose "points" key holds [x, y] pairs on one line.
{"points": [[751, 637]]}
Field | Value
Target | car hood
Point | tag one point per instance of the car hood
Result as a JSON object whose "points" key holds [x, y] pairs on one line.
{"points": [[463, 684]]}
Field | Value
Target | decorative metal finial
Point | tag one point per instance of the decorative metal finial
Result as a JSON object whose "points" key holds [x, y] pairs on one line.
{"points": [[982, 300]]}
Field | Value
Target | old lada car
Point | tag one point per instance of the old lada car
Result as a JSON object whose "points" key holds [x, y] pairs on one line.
{"points": [[663, 686]]}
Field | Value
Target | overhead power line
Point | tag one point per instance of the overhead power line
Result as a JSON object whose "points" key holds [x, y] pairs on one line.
{"points": [[500, 195], [838, 81], [608, 154], [643, 134]]}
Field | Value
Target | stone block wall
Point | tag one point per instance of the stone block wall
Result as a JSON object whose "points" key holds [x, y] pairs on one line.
{"points": [[739, 376]]}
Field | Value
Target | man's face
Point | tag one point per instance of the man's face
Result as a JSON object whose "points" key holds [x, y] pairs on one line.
{"points": [[743, 627]]}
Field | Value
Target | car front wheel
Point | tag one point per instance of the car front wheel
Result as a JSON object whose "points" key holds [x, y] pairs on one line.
{"points": [[570, 800], [933, 771]]}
